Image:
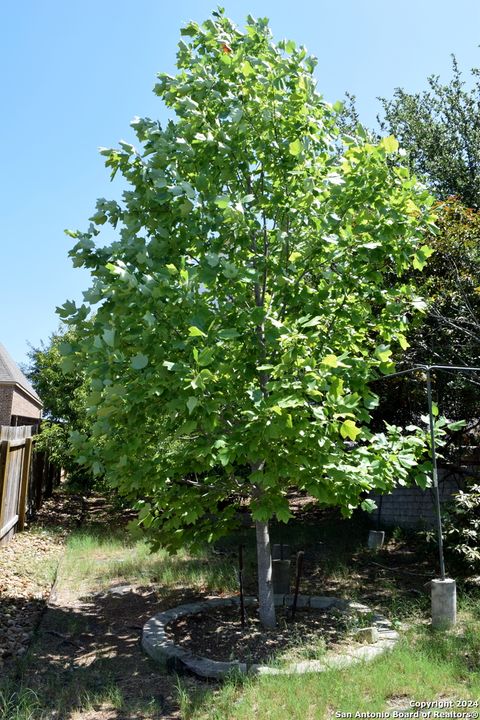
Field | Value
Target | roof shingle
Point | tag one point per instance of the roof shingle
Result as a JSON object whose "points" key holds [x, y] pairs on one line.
{"points": [[10, 373]]}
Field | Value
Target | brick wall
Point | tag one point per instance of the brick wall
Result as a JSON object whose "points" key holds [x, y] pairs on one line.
{"points": [[413, 508], [24, 406], [6, 392]]}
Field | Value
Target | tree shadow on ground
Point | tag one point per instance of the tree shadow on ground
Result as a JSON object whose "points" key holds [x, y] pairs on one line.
{"points": [[87, 661]]}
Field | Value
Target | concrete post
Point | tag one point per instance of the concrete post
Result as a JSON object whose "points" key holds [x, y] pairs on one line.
{"points": [[280, 552], [375, 539], [444, 603], [281, 577]]}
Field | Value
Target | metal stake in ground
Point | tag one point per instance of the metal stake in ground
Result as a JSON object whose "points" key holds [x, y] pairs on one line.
{"points": [[438, 512], [240, 580], [298, 574]]}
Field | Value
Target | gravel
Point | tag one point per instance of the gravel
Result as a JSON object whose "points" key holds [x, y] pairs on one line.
{"points": [[27, 570]]}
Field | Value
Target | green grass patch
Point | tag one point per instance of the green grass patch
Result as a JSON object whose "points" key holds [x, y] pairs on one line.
{"points": [[93, 562], [17, 704]]}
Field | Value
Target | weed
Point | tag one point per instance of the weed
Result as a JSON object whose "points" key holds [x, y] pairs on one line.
{"points": [[20, 704]]}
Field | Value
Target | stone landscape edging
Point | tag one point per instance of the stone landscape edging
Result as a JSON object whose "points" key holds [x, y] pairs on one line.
{"points": [[156, 643]]}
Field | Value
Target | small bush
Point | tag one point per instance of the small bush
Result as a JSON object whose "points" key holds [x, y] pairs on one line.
{"points": [[462, 528]]}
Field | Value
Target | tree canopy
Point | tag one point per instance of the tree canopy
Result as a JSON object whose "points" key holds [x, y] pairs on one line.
{"points": [[440, 130], [448, 333], [63, 395], [254, 290]]}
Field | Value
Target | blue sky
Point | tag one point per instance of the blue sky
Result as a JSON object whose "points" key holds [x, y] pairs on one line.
{"points": [[75, 73]]}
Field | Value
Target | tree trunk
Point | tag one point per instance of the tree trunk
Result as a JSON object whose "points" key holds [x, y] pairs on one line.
{"points": [[265, 586]]}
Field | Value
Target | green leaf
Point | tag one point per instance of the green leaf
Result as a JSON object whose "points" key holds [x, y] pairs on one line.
{"points": [[458, 425], [237, 115], [295, 147], [419, 304], [230, 270], [194, 331], [67, 365], [313, 322], [139, 362], [144, 511], [190, 30], [390, 144], [222, 201], [423, 480], [403, 342], [224, 456], [348, 429], [109, 336], [134, 529], [368, 505], [283, 515], [187, 428], [383, 353], [205, 357], [246, 69], [65, 348], [330, 361], [68, 308], [212, 259], [192, 403], [421, 256], [228, 334]]}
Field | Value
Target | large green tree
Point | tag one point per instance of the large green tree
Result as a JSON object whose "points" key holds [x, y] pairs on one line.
{"points": [[439, 129], [63, 395], [253, 291], [448, 333]]}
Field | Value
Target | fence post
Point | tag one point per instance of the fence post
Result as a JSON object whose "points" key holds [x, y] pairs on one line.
{"points": [[39, 478], [4, 458], [49, 479], [24, 484]]}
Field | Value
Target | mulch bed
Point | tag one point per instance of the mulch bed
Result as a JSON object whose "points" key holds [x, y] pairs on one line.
{"points": [[218, 634]]}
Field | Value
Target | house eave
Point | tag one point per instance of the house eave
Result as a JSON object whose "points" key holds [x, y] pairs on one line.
{"points": [[35, 400]]}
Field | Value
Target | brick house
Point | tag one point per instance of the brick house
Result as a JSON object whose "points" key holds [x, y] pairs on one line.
{"points": [[19, 403]]}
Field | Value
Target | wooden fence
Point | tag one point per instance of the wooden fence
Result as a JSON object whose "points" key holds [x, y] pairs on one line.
{"points": [[26, 478]]}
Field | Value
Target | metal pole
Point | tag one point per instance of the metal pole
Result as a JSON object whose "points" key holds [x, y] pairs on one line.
{"points": [[435, 476], [240, 579], [300, 555]]}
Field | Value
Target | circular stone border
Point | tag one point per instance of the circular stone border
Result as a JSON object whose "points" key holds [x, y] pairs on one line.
{"points": [[160, 648]]}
